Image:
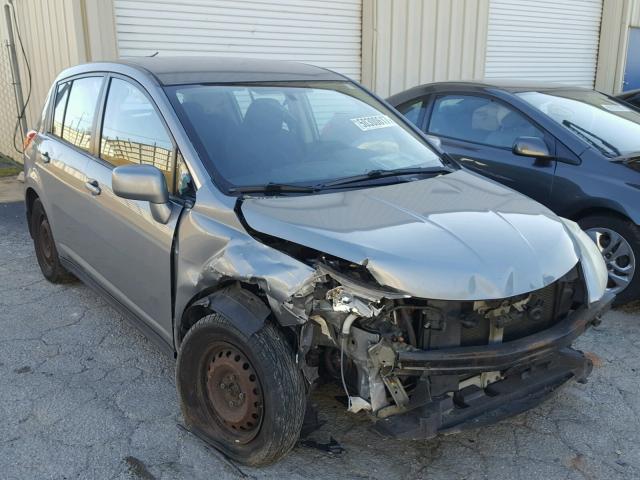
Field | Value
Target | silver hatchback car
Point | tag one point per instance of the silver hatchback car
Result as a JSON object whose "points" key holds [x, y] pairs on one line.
{"points": [[275, 225]]}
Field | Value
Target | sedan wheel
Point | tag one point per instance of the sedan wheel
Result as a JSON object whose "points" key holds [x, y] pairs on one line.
{"points": [[243, 394], [617, 254]]}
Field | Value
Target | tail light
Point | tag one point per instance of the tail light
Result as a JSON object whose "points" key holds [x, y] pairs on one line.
{"points": [[31, 134]]}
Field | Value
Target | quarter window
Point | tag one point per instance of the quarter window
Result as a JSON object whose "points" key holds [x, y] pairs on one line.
{"points": [[77, 118], [479, 120], [413, 111], [62, 95], [184, 181], [132, 131]]}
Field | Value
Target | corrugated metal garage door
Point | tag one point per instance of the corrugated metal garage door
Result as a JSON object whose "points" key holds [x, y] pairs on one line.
{"points": [[327, 34], [544, 40]]}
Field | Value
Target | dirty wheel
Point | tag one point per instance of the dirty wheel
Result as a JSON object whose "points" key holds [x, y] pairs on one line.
{"points": [[243, 394], [45, 247], [619, 242], [234, 393]]}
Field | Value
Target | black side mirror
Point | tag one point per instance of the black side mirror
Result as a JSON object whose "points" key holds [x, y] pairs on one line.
{"points": [[531, 147]]}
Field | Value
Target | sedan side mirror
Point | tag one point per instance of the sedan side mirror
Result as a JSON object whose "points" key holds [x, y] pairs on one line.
{"points": [[145, 183], [531, 147]]}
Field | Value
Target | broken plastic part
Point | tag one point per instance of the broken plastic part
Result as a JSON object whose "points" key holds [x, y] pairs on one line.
{"points": [[357, 404]]}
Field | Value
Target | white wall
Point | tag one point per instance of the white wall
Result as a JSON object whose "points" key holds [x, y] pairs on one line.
{"points": [[56, 34], [409, 42]]}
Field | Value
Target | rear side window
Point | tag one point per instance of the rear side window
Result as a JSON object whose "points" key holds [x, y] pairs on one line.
{"points": [[132, 131], [80, 111], [479, 120]]}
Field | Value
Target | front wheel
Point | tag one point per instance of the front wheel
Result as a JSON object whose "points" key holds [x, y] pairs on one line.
{"points": [[619, 242], [243, 394]]}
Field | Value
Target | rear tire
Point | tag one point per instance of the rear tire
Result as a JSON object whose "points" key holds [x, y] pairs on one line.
{"points": [[45, 246], [243, 394], [619, 241]]}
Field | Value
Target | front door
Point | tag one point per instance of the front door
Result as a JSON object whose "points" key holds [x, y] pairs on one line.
{"points": [[479, 133], [131, 252], [632, 68]]}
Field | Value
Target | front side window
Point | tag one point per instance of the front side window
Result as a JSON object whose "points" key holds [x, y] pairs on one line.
{"points": [[295, 133], [77, 118], [479, 120], [133, 132], [608, 125]]}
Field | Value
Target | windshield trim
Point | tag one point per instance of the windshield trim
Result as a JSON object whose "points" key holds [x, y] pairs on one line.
{"points": [[230, 189]]}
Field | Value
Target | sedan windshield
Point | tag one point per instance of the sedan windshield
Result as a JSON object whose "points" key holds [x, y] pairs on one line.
{"points": [[303, 134], [606, 124]]}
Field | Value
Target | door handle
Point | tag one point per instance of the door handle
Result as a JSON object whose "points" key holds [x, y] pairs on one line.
{"points": [[93, 186], [45, 157]]}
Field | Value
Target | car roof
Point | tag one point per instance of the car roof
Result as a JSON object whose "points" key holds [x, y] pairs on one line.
{"points": [[526, 86], [511, 86], [169, 70]]}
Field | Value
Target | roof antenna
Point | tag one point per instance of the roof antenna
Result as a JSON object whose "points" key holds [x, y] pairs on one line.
{"points": [[154, 54]]}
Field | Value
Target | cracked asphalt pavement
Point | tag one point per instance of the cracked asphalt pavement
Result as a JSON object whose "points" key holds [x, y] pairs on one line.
{"points": [[84, 395]]}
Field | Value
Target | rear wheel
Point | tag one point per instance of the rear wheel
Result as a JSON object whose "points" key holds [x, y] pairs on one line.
{"points": [[243, 394], [619, 242], [45, 246]]}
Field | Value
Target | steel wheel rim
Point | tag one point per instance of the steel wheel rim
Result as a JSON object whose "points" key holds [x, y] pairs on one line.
{"points": [[617, 254], [233, 393]]}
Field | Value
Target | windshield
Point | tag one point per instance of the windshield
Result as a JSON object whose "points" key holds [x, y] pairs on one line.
{"points": [[295, 133], [606, 124]]}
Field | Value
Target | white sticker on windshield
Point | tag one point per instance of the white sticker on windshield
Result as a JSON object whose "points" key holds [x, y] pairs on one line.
{"points": [[373, 122], [614, 107]]}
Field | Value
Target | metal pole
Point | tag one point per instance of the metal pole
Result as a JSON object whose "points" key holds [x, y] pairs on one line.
{"points": [[15, 71]]}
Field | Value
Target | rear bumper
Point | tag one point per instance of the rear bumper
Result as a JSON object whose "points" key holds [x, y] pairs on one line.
{"points": [[533, 368], [461, 360]]}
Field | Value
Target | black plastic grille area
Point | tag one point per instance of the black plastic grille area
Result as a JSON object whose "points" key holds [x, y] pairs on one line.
{"points": [[547, 306]]}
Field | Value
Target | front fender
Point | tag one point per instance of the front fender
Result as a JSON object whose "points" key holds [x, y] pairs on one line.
{"points": [[244, 309]]}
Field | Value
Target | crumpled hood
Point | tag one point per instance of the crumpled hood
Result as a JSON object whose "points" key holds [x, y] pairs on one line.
{"points": [[453, 237]]}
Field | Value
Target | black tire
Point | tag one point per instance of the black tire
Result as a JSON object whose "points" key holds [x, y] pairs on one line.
{"points": [[45, 246], [629, 232], [264, 424]]}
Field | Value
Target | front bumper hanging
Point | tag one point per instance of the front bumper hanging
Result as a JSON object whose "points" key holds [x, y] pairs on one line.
{"points": [[533, 368]]}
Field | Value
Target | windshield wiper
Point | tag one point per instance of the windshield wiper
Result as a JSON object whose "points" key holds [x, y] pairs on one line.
{"points": [[272, 188], [589, 136], [380, 173], [627, 158]]}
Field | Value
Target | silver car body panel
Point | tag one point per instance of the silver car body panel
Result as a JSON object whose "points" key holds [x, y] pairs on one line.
{"points": [[453, 237], [140, 279], [214, 247]]}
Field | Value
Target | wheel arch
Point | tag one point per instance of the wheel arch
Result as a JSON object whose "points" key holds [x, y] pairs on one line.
{"points": [[30, 196], [598, 210], [243, 302]]}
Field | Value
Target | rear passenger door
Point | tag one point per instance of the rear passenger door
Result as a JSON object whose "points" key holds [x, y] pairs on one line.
{"points": [[61, 159], [130, 255], [480, 131]]}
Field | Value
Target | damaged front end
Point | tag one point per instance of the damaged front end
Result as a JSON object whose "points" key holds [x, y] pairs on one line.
{"points": [[423, 367], [427, 321]]}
